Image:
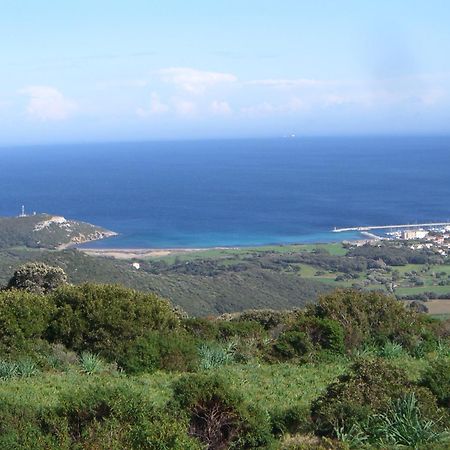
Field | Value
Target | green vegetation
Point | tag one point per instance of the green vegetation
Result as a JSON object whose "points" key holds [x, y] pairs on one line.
{"points": [[107, 367]]}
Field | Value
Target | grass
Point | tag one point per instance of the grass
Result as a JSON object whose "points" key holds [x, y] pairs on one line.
{"points": [[221, 253], [272, 387], [281, 386]]}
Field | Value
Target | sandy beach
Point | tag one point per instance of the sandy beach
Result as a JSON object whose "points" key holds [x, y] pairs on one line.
{"points": [[141, 253]]}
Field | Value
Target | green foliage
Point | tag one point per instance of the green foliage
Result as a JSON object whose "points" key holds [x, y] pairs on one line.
{"points": [[8, 369], [23, 368], [371, 317], [244, 329], [214, 355], [107, 319], [38, 278], [91, 363], [97, 415], [367, 389], [24, 318], [291, 344], [267, 318], [176, 351], [402, 424], [362, 399], [218, 414], [437, 379], [391, 350]]}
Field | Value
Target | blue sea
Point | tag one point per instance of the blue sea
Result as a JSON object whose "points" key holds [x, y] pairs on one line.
{"points": [[232, 192]]}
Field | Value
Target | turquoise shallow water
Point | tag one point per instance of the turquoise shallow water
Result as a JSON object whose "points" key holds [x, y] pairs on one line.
{"points": [[235, 192]]}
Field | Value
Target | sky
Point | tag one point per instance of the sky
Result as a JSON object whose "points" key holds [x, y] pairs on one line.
{"points": [[114, 70]]}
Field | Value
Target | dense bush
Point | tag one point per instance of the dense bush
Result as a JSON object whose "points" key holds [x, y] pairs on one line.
{"points": [[437, 379], [98, 416], [37, 277], [291, 344], [218, 414], [24, 318], [175, 351], [372, 317], [106, 319], [368, 389]]}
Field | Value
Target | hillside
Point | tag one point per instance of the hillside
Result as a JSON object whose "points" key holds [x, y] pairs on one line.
{"points": [[47, 231]]}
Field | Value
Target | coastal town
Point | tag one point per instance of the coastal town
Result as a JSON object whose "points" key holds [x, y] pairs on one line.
{"points": [[436, 238]]}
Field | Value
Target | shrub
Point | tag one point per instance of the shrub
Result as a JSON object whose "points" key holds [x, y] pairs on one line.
{"points": [[325, 333], [60, 358], [24, 319], [159, 350], [369, 317], [291, 344], [437, 379], [368, 389], [218, 415], [38, 278], [106, 319], [113, 417], [247, 329], [200, 328], [267, 318]]}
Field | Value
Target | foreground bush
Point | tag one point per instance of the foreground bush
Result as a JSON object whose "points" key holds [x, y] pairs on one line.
{"points": [[218, 415], [106, 319], [97, 416], [369, 388], [437, 379], [24, 319], [175, 351], [372, 317]]}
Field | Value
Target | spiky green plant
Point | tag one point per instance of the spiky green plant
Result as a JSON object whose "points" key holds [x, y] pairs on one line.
{"points": [[354, 437], [391, 350], [26, 368], [91, 363], [214, 355], [8, 370], [402, 424]]}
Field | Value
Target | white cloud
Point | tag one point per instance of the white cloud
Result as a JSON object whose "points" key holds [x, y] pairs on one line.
{"points": [[266, 108], [156, 107], [289, 83], [220, 108], [194, 81], [47, 103], [111, 84], [184, 107]]}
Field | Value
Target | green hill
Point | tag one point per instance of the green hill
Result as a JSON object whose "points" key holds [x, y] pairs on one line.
{"points": [[47, 231]]}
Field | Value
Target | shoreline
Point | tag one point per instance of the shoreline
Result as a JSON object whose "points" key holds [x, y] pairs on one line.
{"points": [[139, 253]]}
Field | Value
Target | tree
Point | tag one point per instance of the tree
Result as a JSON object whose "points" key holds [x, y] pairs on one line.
{"points": [[38, 278]]}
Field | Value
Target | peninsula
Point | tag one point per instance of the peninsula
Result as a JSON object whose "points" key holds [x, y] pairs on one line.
{"points": [[47, 231]]}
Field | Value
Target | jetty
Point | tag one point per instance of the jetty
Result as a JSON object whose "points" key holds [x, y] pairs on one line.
{"points": [[391, 227]]}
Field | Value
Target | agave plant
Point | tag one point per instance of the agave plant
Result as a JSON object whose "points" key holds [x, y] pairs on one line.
{"points": [[403, 425], [26, 368], [214, 355], [8, 370], [91, 363], [391, 350]]}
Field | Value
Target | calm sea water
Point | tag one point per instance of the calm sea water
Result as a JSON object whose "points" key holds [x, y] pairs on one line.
{"points": [[236, 192]]}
